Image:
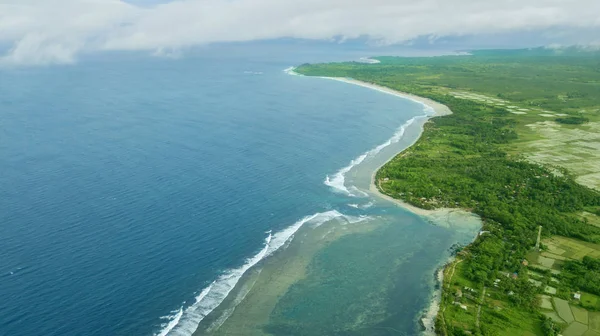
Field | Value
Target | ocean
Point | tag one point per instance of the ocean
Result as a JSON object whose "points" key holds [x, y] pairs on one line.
{"points": [[143, 195]]}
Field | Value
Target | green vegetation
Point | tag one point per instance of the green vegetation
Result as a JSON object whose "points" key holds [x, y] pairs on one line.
{"points": [[534, 86], [583, 275], [474, 159], [555, 81], [572, 120], [590, 302]]}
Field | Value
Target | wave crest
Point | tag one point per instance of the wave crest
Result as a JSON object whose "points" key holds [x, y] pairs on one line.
{"points": [[338, 180], [185, 321]]}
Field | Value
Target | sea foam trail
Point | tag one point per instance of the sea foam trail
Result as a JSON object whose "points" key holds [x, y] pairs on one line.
{"points": [[290, 71], [186, 320], [338, 180], [368, 60]]}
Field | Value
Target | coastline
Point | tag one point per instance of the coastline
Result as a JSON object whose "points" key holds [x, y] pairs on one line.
{"points": [[429, 314], [263, 295], [436, 108]]}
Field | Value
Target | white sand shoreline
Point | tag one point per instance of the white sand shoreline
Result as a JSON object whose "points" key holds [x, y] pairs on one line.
{"points": [[437, 108]]}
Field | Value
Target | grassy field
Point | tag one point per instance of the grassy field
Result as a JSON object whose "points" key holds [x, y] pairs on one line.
{"points": [[590, 301]]}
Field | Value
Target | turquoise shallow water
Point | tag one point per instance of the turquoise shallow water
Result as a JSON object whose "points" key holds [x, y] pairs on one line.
{"points": [[134, 188]]}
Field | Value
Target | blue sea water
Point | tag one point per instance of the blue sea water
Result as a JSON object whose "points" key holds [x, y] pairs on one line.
{"points": [[129, 183]]}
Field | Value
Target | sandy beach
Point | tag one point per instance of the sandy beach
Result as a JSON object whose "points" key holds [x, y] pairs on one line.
{"points": [[437, 108]]}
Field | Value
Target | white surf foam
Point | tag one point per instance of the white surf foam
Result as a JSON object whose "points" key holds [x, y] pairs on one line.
{"points": [[356, 219], [229, 311], [361, 206], [369, 60], [326, 217], [186, 321], [368, 205], [357, 192], [290, 71], [213, 295], [338, 180], [173, 320]]}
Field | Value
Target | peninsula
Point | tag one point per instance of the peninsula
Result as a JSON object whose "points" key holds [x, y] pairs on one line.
{"points": [[521, 150]]}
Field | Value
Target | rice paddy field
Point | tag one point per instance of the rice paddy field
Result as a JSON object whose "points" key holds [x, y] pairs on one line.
{"points": [[577, 317], [576, 321], [561, 248], [544, 140], [575, 148]]}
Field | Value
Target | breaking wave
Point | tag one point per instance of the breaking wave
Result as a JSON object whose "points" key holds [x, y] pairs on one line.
{"points": [[338, 180], [368, 60], [185, 321], [290, 71]]}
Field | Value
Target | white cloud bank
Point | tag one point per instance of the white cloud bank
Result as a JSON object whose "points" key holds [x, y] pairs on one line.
{"points": [[56, 31]]}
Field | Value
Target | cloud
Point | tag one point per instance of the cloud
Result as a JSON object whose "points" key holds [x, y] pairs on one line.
{"points": [[57, 31]]}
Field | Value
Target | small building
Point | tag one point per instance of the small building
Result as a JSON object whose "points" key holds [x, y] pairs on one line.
{"points": [[514, 275], [525, 262], [577, 296]]}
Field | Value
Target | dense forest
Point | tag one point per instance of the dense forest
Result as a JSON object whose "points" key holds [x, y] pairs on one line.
{"points": [[572, 120], [583, 275]]}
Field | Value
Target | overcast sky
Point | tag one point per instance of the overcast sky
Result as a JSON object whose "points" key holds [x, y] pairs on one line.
{"points": [[57, 31]]}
